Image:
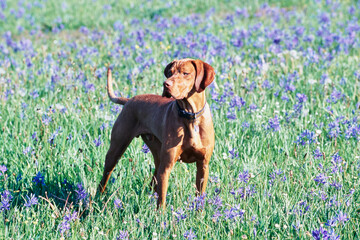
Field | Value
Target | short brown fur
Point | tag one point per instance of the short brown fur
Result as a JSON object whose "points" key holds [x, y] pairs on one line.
{"points": [[169, 137]]}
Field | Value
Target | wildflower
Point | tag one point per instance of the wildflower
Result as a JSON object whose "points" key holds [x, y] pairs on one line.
{"points": [[123, 235], [39, 179], [321, 178], [245, 125], [336, 159], [244, 176], [81, 194], [237, 102], [252, 107], [145, 148], [98, 141], [32, 200], [342, 217], [65, 225], [5, 201], [189, 235], [306, 137], [216, 202], [54, 135], [234, 213], [118, 204], [216, 216], [317, 154], [233, 154], [197, 204], [180, 214], [46, 119], [3, 169], [274, 124]]}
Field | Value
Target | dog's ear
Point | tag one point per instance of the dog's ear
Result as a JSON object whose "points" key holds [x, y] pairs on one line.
{"points": [[167, 69], [204, 75]]}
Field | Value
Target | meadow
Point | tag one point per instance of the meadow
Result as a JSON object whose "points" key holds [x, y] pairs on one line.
{"points": [[285, 105]]}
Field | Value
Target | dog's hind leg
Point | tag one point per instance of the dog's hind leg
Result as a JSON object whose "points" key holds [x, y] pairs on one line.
{"points": [[155, 146], [121, 136]]}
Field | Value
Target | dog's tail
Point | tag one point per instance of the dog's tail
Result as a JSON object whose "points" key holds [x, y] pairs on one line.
{"points": [[113, 98]]}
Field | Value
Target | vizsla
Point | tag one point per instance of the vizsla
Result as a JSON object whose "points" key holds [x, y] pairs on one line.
{"points": [[175, 126]]}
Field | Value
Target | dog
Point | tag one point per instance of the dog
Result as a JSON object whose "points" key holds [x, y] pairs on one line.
{"points": [[175, 126]]}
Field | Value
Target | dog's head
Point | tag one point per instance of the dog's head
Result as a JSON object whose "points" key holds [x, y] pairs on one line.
{"points": [[185, 77]]}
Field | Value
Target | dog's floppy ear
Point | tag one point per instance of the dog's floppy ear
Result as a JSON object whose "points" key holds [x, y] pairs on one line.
{"points": [[204, 75], [167, 71]]}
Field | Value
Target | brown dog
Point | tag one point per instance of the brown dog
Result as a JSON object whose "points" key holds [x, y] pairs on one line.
{"points": [[177, 128]]}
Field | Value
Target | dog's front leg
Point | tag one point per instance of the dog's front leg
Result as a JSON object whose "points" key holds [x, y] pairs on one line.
{"points": [[202, 175], [167, 162]]}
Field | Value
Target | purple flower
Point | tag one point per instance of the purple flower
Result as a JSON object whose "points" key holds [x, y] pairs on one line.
{"points": [[245, 125], [234, 213], [145, 148], [238, 102], [216, 216], [216, 202], [180, 214], [301, 97], [123, 235], [321, 178], [336, 96], [244, 176], [306, 137], [46, 119], [317, 153], [39, 179], [118, 204], [5, 201], [318, 234], [252, 107], [189, 235], [335, 184], [274, 124], [98, 141], [65, 225], [233, 153], [32, 200], [118, 26], [81, 194], [3, 169], [342, 217], [336, 159]]}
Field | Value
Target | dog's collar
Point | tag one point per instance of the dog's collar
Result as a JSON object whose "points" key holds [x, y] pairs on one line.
{"points": [[189, 115]]}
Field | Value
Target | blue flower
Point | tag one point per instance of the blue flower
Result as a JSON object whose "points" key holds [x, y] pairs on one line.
{"points": [[145, 148], [123, 235], [244, 176], [6, 197], [274, 124], [32, 200], [190, 235], [317, 153], [118, 204], [98, 141], [81, 194], [3, 169], [39, 179], [321, 178], [65, 225]]}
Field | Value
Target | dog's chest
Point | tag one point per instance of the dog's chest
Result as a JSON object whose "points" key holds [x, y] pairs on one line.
{"points": [[193, 148]]}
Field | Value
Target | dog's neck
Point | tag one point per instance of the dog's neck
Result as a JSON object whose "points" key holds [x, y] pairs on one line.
{"points": [[194, 103]]}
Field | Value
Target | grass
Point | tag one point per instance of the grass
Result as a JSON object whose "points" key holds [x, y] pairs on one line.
{"points": [[53, 106]]}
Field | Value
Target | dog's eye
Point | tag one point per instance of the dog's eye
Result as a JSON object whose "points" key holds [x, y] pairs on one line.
{"points": [[185, 73]]}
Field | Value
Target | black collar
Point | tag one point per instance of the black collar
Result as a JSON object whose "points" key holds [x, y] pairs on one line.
{"points": [[189, 115]]}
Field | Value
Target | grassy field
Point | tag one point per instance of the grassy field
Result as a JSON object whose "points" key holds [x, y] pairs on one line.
{"points": [[285, 106]]}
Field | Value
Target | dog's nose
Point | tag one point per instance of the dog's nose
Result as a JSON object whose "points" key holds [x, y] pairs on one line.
{"points": [[168, 84]]}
